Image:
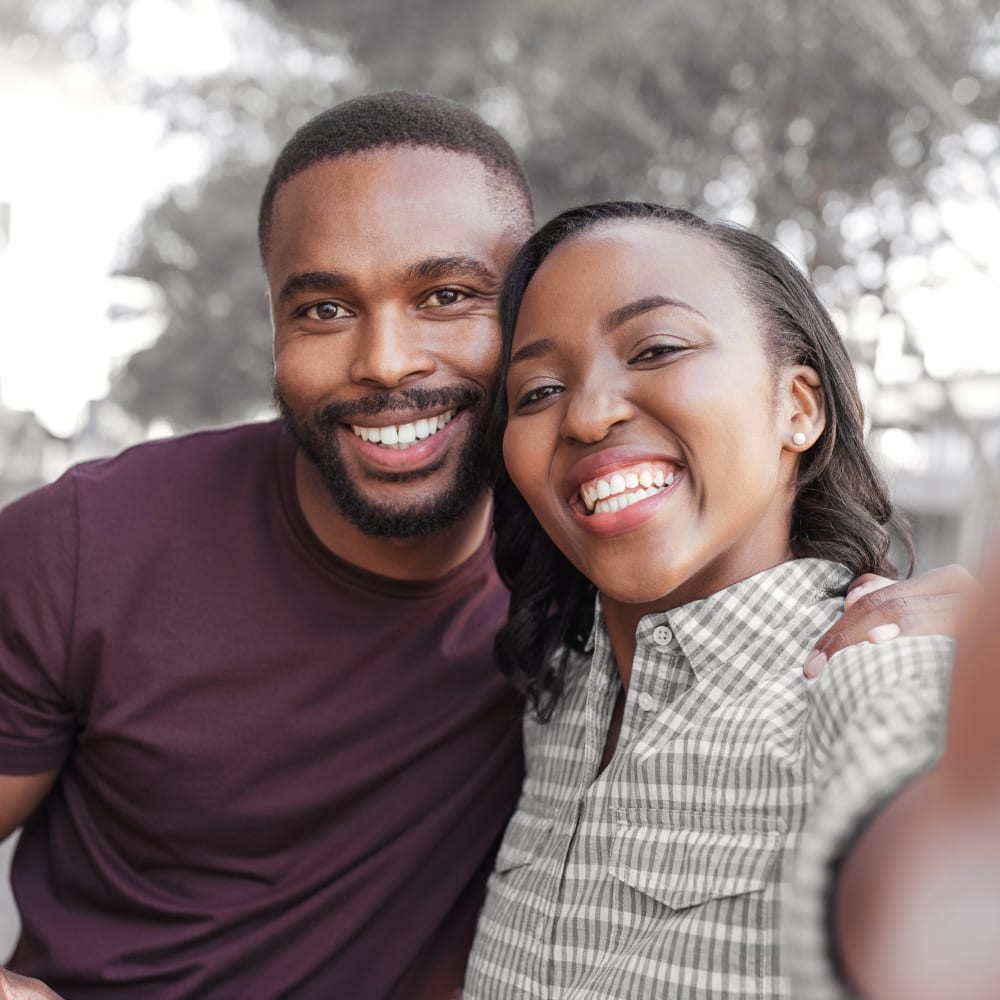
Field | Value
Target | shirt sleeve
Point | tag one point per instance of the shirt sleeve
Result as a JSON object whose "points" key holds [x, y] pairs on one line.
{"points": [[38, 572], [876, 720]]}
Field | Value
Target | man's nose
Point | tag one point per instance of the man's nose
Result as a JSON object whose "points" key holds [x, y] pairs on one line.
{"points": [[390, 351]]}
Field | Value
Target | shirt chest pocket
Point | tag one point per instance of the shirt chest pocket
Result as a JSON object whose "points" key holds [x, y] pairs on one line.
{"points": [[686, 859]]}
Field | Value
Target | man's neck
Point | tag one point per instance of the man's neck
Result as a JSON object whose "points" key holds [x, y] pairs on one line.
{"points": [[399, 558]]}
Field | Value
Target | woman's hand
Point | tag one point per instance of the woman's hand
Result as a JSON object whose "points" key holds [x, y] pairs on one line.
{"points": [[877, 609]]}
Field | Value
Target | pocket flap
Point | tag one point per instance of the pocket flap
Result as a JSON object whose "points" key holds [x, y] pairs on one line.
{"points": [[684, 865], [522, 838]]}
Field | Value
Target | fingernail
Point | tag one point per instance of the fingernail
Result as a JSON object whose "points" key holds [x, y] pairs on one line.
{"points": [[880, 633], [815, 663]]}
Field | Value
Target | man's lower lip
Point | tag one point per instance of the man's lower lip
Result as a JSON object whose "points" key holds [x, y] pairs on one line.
{"points": [[418, 454]]}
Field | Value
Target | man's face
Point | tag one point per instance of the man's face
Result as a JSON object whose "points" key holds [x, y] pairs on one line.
{"points": [[384, 270]]}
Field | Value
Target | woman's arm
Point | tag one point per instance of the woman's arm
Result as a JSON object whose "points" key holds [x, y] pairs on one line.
{"points": [[917, 908]]}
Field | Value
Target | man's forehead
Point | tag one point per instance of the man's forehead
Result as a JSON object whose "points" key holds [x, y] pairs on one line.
{"points": [[393, 175], [395, 207]]}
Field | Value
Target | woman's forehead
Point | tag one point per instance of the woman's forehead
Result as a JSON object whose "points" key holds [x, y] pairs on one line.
{"points": [[616, 262]]}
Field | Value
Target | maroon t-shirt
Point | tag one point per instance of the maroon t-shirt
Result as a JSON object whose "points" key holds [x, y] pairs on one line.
{"points": [[282, 776]]}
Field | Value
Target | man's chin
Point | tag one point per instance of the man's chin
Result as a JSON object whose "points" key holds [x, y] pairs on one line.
{"points": [[420, 511], [422, 517]]}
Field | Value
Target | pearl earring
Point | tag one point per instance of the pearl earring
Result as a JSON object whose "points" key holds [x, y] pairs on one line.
{"points": [[799, 438]]}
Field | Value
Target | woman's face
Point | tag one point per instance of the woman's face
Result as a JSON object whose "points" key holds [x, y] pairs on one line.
{"points": [[646, 429]]}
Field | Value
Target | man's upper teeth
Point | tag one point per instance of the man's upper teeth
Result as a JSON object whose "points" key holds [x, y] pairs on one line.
{"points": [[603, 496], [404, 435]]}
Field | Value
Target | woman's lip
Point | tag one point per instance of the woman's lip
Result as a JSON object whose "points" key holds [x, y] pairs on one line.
{"points": [[620, 521], [603, 463]]}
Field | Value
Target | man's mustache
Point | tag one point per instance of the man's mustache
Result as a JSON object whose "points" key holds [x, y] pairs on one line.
{"points": [[415, 398]]}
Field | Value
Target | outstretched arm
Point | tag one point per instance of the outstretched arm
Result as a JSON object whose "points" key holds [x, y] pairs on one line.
{"points": [[876, 609], [918, 898]]}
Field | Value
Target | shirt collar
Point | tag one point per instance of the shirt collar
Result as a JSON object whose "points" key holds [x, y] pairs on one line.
{"points": [[744, 625]]}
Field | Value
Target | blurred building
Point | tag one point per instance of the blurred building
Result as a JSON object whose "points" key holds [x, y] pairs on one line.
{"points": [[940, 451]]}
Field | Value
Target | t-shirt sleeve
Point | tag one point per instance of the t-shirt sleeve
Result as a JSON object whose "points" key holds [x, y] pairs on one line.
{"points": [[876, 720], [38, 572]]}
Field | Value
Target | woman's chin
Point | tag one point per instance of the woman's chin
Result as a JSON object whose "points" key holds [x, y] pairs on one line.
{"points": [[655, 593]]}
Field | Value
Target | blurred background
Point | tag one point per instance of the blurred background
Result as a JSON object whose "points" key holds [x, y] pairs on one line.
{"points": [[863, 136]]}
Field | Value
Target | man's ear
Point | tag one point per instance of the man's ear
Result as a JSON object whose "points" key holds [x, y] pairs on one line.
{"points": [[805, 408], [270, 317]]}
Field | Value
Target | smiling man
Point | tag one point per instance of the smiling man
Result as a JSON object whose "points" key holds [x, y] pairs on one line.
{"points": [[249, 717], [385, 345], [248, 673]]}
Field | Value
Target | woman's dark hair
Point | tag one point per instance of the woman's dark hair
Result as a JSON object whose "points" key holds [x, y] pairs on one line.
{"points": [[841, 511]]}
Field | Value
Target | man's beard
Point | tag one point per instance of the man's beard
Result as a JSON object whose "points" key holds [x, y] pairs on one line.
{"points": [[318, 439]]}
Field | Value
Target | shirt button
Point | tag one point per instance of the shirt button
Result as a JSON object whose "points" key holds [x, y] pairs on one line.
{"points": [[662, 635], [646, 702]]}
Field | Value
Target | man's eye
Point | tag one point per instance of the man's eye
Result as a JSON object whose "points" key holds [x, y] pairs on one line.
{"points": [[445, 297], [325, 311]]}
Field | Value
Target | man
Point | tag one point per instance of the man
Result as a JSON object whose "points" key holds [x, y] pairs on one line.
{"points": [[248, 715]]}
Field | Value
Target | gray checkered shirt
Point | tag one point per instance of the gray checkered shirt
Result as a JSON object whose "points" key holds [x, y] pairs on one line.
{"points": [[665, 875]]}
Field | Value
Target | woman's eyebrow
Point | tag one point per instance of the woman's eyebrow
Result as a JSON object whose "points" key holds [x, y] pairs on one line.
{"points": [[630, 310], [536, 349]]}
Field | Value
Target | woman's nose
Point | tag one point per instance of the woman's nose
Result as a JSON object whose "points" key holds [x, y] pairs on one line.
{"points": [[593, 410]]}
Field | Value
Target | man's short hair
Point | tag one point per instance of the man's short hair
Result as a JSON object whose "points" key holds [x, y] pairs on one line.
{"points": [[395, 118]]}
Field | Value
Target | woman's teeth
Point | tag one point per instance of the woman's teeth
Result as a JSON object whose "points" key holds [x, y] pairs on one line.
{"points": [[404, 435], [605, 496]]}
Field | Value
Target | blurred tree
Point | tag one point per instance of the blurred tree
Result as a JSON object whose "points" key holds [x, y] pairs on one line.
{"points": [[838, 129]]}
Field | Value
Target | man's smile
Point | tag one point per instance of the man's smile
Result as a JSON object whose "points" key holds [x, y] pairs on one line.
{"points": [[405, 435]]}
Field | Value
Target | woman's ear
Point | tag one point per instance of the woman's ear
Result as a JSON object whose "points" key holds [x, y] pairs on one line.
{"points": [[805, 413]]}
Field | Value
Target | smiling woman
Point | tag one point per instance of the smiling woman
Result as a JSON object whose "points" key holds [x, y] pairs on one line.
{"points": [[683, 441], [712, 336]]}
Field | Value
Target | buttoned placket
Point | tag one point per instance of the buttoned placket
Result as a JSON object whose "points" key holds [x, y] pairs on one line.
{"points": [[655, 677]]}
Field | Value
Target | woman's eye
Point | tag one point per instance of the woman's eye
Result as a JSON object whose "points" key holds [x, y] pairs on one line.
{"points": [[537, 395], [445, 297], [655, 352], [326, 311]]}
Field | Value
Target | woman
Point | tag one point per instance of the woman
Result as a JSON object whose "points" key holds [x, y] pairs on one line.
{"points": [[684, 428]]}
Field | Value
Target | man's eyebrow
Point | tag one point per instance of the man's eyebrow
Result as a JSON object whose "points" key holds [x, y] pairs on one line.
{"points": [[536, 349], [455, 266], [311, 281], [630, 310]]}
